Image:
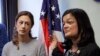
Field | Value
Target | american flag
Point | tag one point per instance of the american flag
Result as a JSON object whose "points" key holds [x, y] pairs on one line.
{"points": [[50, 21]]}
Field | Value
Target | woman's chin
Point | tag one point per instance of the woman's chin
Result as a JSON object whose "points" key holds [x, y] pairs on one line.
{"points": [[68, 36]]}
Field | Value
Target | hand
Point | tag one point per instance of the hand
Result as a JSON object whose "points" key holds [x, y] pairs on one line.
{"points": [[53, 43]]}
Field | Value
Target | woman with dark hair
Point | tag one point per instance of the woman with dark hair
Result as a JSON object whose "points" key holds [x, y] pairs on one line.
{"points": [[23, 44], [79, 35]]}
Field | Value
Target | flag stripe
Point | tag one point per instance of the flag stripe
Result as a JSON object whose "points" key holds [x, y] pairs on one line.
{"points": [[46, 32]]}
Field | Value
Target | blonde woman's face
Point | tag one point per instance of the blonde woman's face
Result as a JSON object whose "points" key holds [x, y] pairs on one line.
{"points": [[23, 25], [70, 26]]}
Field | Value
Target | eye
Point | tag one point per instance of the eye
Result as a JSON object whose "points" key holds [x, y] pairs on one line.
{"points": [[70, 21], [21, 22], [27, 23]]}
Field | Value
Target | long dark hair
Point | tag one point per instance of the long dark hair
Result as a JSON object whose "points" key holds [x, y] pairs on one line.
{"points": [[15, 33], [84, 26]]}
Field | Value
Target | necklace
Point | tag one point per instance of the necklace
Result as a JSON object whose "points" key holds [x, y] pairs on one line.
{"points": [[23, 55], [76, 52]]}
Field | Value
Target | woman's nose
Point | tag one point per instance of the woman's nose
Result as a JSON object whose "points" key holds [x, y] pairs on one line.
{"points": [[66, 25], [23, 25]]}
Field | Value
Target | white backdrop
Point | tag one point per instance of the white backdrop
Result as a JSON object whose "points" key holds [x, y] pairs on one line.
{"points": [[90, 6]]}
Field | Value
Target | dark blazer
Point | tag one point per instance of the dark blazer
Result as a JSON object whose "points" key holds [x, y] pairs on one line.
{"points": [[90, 49], [3, 37]]}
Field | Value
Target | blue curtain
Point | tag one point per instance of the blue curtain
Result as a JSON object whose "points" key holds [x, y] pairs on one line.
{"points": [[9, 9]]}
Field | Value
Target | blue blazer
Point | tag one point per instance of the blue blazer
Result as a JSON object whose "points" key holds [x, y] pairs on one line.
{"points": [[3, 37]]}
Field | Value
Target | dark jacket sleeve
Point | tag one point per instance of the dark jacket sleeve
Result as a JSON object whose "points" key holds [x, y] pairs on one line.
{"points": [[57, 52], [90, 50], [95, 52]]}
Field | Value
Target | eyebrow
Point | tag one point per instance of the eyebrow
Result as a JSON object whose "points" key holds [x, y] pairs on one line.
{"points": [[68, 19]]}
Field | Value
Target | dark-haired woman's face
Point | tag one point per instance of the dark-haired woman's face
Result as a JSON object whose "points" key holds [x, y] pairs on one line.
{"points": [[23, 25], [70, 26]]}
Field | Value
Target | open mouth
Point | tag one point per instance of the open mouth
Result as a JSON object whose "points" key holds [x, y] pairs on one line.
{"points": [[66, 31]]}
